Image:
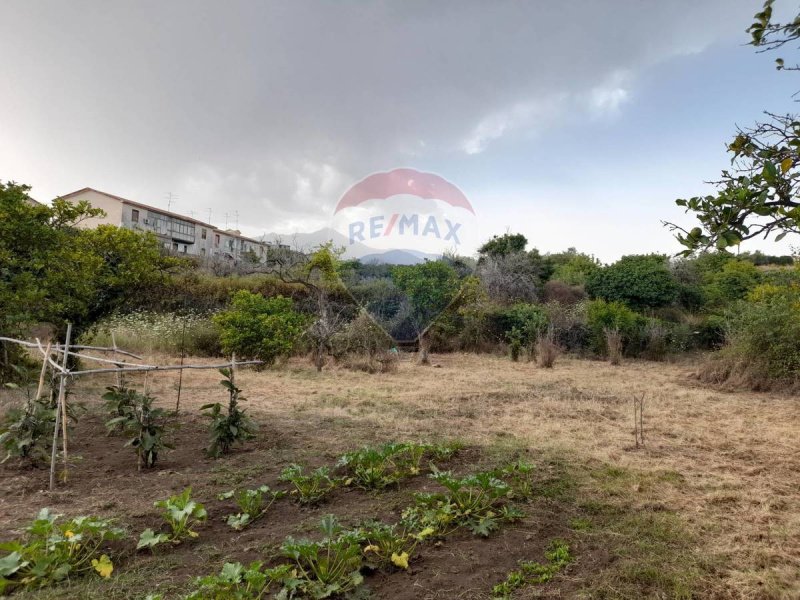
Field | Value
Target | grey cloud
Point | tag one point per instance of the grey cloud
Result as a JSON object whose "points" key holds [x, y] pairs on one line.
{"points": [[273, 108]]}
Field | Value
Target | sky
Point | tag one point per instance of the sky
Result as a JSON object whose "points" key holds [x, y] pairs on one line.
{"points": [[577, 123]]}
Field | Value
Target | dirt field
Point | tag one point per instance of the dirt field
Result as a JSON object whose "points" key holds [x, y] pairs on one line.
{"points": [[709, 508]]}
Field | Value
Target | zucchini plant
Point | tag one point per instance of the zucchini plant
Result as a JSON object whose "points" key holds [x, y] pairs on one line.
{"points": [[181, 514], [52, 552], [309, 488], [253, 504], [390, 545]]}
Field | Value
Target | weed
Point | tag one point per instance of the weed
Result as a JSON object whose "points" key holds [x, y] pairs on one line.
{"points": [[53, 552], [253, 504], [311, 488], [181, 513], [558, 557]]}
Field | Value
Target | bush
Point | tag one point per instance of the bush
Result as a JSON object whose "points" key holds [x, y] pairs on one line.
{"points": [[639, 281], [569, 323], [603, 316], [613, 345], [260, 328], [563, 293], [732, 283], [528, 320], [547, 349], [762, 350]]}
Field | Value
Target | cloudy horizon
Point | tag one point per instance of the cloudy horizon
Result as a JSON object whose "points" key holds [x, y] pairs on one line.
{"points": [[576, 124]]}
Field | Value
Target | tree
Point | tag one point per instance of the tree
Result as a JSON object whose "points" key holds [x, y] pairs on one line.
{"points": [[429, 288], [639, 281], [503, 245], [509, 278], [573, 267], [261, 328], [759, 195]]}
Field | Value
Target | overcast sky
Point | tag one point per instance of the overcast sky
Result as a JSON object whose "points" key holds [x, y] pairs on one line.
{"points": [[577, 123]]}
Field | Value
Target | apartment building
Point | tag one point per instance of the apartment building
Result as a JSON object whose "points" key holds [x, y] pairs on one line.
{"points": [[178, 233]]}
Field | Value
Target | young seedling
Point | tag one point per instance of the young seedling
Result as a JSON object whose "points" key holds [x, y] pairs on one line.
{"points": [[253, 504]]}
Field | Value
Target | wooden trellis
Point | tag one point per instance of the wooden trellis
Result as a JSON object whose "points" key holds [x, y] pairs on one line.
{"points": [[63, 373]]}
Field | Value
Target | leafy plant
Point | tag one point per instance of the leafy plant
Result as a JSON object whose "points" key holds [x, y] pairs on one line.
{"points": [[237, 582], [479, 502], [390, 545], [515, 343], [309, 488], [558, 557], [377, 468], [53, 552], [23, 430], [518, 476], [119, 401], [231, 427], [181, 513], [253, 504], [330, 567], [145, 427]]}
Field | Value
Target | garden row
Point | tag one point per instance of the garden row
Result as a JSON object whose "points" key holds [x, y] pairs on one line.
{"points": [[54, 551]]}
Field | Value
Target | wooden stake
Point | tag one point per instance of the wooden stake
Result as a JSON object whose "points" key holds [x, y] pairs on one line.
{"points": [[40, 389], [62, 385], [180, 371], [114, 356]]}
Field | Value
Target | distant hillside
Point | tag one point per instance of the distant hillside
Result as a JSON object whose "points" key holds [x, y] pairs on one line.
{"points": [[397, 257]]}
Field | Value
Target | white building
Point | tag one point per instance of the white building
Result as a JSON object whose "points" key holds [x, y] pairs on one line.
{"points": [[178, 233]]}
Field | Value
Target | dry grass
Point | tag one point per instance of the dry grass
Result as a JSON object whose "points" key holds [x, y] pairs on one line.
{"points": [[725, 465]]}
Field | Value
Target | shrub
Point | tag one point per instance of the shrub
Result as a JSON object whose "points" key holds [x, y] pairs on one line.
{"points": [[563, 293], [53, 552], [547, 349], [569, 323], [762, 350], [638, 281], [732, 283], [261, 328], [26, 432], [614, 316], [613, 345]]}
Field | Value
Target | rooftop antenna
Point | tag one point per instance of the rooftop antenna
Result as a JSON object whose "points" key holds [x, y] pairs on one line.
{"points": [[170, 199], [226, 220], [236, 212], [209, 214]]}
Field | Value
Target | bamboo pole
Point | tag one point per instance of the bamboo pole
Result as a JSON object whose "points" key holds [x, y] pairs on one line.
{"points": [[114, 344], [62, 384], [180, 372], [140, 369]]}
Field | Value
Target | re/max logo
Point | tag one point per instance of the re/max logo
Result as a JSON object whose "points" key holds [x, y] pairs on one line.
{"points": [[378, 226]]}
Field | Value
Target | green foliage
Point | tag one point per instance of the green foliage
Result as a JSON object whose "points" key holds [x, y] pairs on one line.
{"points": [[558, 557], [764, 336], [514, 343], [181, 513], [605, 316], [639, 281], [237, 582], [377, 468], [309, 488], [503, 245], [479, 502], [54, 272], [229, 427], [26, 432], [430, 287], [53, 552], [120, 400], [330, 567], [253, 504], [576, 269], [144, 425], [528, 320], [518, 476], [388, 546], [732, 282], [261, 328]]}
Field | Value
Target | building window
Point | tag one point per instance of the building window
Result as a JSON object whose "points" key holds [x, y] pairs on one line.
{"points": [[203, 234], [135, 216], [185, 247], [202, 250], [216, 240], [174, 245]]}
